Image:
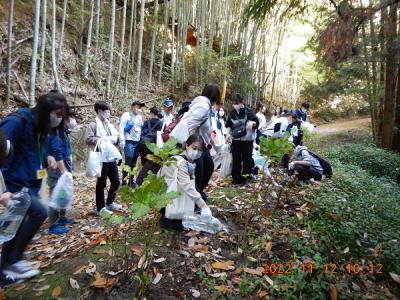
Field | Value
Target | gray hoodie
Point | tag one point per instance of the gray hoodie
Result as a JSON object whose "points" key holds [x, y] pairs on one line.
{"points": [[199, 120]]}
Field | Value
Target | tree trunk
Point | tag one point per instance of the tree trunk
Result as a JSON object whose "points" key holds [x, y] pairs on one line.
{"points": [[9, 49], [153, 41], [121, 51], [396, 133], [98, 6], [82, 27], [32, 80], [139, 58], [381, 72], [133, 12], [88, 44], [43, 46], [173, 8], [164, 41], [60, 45], [53, 46], [134, 37], [389, 107], [374, 81], [110, 49]]}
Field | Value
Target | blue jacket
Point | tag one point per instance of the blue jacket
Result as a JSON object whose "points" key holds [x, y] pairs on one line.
{"points": [[302, 115], [20, 169], [60, 148]]}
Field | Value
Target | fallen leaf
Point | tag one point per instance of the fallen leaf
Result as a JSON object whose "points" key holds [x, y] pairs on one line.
{"points": [[262, 294], [179, 293], [184, 253], [346, 250], [199, 254], [2, 294], [265, 212], [137, 250], [160, 260], [238, 271], [222, 289], [268, 247], [43, 288], [200, 248], [74, 284], [79, 269], [100, 251], [395, 277], [252, 259], [91, 269], [207, 268], [56, 292], [93, 230], [299, 216], [157, 278], [269, 280], [227, 265], [102, 283], [253, 271], [195, 293], [155, 270], [218, 275], [49, 273], [142, 261], [19, 286], [332, 292], [112, 273]]}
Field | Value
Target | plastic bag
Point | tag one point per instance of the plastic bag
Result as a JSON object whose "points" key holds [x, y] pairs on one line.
{"points": [[109, 152], [181, 130], [63, 192], [94, 163], [226, 164], [180, 206]]}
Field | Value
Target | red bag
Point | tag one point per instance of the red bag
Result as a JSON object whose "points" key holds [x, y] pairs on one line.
{"points": [[169, 128]]}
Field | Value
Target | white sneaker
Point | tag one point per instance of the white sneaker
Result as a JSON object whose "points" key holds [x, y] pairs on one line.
{"points": [[114, 206], [19, 271], [24, 265], [105, 210]]}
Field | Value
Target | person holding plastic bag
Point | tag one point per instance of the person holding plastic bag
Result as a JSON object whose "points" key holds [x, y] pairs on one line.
{"points": [[180, 176], [218, 134], [60, 147], [26, 167], [100, 133]]}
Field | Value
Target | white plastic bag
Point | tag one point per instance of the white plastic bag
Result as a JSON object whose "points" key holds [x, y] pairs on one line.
{"points": [[181, 130], [226, 164], [62, 194], [109, 152], [159, 140], [95, 162], [181, 206]]}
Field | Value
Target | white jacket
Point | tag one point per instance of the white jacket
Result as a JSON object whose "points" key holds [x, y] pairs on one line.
{"points": [[200, 114]]}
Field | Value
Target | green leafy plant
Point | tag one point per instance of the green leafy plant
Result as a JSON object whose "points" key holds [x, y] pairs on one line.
{"points": [[275, 148]]}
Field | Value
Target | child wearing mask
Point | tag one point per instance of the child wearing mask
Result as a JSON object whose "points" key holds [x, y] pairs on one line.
{"points": [[193, 149], [102, 129]]}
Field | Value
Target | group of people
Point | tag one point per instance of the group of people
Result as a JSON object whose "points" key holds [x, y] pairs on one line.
{"points": [[35, 147]]}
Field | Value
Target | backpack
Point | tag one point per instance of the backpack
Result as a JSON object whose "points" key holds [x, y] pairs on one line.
{"points": [[326, 166], [239, 127], [151, 133], [167, 130], [15, 114]]}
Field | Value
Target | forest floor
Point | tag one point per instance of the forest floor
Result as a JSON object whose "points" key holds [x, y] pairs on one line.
{"points": [[276, 247]]}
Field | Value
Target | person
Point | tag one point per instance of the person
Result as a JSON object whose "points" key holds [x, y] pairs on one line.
{"points": [[168, 129], [60, 146], [306, 166], [149, 134], [168, 107], [279, 126], [242, 146], [184, 162], [260, 113], [200, 122], [302, 111], [218, 134], [102, 129], [130, 130], [27, 130]]}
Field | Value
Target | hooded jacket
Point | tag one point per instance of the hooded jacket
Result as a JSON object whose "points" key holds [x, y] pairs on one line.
{"points": [[20, 168], [200, 118]]}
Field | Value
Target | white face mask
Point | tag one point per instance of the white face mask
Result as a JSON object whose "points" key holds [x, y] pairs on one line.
{"points": [[54, 120], [221, 113], [72, 123], [193, 154], [106, 114]]}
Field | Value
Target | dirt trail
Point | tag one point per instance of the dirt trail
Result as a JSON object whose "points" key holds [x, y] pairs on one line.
{"points": [[343, 125]]}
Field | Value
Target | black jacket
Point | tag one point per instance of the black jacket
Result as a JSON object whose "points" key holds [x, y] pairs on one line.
{"points": [[234, 115], [149, 130]]}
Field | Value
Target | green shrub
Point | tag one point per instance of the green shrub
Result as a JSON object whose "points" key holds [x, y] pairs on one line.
{"points": [[358, 211], [374, 160]]}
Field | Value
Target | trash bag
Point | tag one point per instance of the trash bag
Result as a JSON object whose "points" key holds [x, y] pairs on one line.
{"points": [[109, 152], [95, 162], [226, 164], [62, 194]]}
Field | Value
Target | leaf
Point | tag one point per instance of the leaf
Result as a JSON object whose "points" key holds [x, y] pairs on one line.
{"points": [[218, 275], [137, 250], [79, 269], [299, 215], [56, 292], [139, 210], [179, 293], [200, 248], [160, 260], [227, 265], [2, 294], [74, 284], [157, 278], [43, 288], [262, 294], [332, 292], [268, 247], [395, 277], [265, 212], [102, 283], [91, 269], [49, 273], [222, 289], [94, 229], [252, 259], [346, 250], [195, 293], [253, 271]]}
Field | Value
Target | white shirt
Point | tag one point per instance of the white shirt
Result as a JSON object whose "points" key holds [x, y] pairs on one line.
{"points": [[136, 130], [263, 122], [167, 118], [284, 125]]}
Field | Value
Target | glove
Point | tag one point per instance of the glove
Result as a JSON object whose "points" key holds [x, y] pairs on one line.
{"points": [[206, 212], [291, 166]]}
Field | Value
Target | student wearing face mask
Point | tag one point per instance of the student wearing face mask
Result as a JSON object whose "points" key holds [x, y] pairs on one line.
{"points": [[218, 135], [130, 130], [260, 113], [302, 112], [28, 130], [60, 148], [184, 162], [279, 126], [167, 113], [242, 125], [101, 128]]}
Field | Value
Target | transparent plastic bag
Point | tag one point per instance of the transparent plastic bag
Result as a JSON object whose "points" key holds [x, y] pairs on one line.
{"points": [[205, 224], [63, 192], [109, 152], [226, 163]]}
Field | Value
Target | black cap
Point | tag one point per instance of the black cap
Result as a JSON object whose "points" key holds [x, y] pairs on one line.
{"points": [[138, 103]]}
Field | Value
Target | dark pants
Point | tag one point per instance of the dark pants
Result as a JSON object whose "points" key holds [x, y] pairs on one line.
{"points": [[131, 155], [242, 160], [305, 173], [259, 135], [170, 224], [13, 250], [143, 152], [203, 172], [109, 170], [147, 167]]}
